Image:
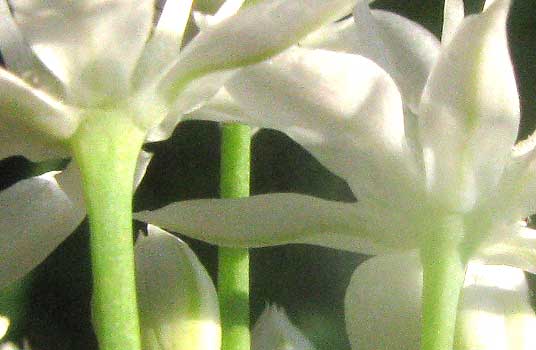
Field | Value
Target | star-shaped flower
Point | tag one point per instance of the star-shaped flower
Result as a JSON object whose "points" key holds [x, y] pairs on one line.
{"points": [[429, 152], [69, 60], [410, 161]]}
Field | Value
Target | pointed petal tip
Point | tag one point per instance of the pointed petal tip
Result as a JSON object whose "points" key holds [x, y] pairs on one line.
{"points": [[274, 331], [494, 5]]}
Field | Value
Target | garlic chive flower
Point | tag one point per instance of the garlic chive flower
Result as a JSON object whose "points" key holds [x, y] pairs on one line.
{"points": [[422, 131], [410, 161], [73, 66]]}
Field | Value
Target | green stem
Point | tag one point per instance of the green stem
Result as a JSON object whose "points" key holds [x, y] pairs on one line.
{"points": [[106, 148], [233, 270], [443, 276]]}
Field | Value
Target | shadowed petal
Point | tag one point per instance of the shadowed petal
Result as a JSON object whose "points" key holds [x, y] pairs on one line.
{"points": [[35, 217], [18, 56], [284, 218], [382, 303], [470, 111], [33, 124], [178, 301]]}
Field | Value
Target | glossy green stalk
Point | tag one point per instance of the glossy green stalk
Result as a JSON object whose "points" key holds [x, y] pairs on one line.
{"points": [[106, 148], [443, 276], [233, 270]]}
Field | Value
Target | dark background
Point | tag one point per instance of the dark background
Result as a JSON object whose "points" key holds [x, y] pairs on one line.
{"points": [[51, 307]]}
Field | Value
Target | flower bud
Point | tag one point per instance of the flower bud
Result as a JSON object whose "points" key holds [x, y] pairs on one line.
{"points": [[177, 299]]}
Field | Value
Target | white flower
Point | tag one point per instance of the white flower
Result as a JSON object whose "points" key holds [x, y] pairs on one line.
{"points": [[433, 144], [455, 159], [70, 60], [383, 306]]}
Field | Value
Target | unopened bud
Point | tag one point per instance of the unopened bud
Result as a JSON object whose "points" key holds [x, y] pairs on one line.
{"points": [[177, 299]]}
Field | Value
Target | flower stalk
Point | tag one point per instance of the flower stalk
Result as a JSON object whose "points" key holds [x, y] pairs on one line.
{"points": [[233, 263], [106, 147], [443, 276]]}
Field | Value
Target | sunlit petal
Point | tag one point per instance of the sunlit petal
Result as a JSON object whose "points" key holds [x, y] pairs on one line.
{"points": [[403, 48], [383, 306], [165, 43], [514, 246], [252, 35]]}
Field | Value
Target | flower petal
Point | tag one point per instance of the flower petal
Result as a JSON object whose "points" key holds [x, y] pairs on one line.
{"points": [[18, 56], [192, 98], [515, 247], [221, 107], [274, 331], [33, 123], [229, 8], [382, 306], [412, 49], [470, 111], [252, 35], [341, 107], [165, 43], [518, 183], [91, 46], [382, 303], [405, 49], [496, 312], [35, 216], [178, 302], [453, 13], [283, 218]]}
